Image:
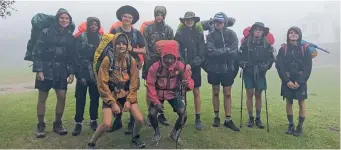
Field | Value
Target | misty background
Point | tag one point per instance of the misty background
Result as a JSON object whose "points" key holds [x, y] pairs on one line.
{"points": [[318, 20]]}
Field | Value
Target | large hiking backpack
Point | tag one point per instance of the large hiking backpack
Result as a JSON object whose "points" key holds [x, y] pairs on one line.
{"points": [[39, 22], [82, 28], [145, 24], [104, 50], [304, 47], [116, 24]]}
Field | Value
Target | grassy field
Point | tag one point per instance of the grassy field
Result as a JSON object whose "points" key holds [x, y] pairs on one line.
{"points": [[321, 128]]}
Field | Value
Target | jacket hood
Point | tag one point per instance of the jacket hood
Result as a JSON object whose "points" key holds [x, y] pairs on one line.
{"points": [[60, 12], [226, 19], [89, 20], [116, 37], [170, 48], [160, 9], [298, 30], [198, 26]]}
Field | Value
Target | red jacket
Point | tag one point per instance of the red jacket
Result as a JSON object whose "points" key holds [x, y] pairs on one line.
{"points": [[156, 94]]}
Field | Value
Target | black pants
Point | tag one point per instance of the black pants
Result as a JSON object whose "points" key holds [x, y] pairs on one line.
{"points": [[80, 95], [178, 106]]}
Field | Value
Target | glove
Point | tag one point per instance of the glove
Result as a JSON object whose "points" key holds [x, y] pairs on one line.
{"points": [[242, 64], [263, 67], [159, 108]]}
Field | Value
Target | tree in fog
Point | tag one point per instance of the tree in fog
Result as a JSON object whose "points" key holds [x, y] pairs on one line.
{"points": [[6, 8]]}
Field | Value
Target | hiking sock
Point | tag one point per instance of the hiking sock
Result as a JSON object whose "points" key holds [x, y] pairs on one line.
{"points": [[300, 120], [216, 114], [228, 118], [258, 114], [79, 123], [197, 116], [59, 117], [136, 130], [41, 118], [250, 114], [290, 119]]}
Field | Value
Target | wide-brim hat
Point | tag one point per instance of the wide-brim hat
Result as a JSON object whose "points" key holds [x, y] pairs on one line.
{"points": [[128, 10], [262, 26], [190, 15]]}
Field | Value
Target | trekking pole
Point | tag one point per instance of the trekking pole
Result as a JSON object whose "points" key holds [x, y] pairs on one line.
{"points": [[184, 92], [241, 98], [267, 114]]}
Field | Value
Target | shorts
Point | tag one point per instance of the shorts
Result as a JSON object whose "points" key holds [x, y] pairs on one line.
{"points": [[120, 101], [196, 76], [46, 85], [225, 79], [250, 82], [176, 104], [291, 94]]}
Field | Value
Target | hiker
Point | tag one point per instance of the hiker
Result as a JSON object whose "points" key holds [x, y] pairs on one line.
{"points": [[154, 32], [86, 45], [128, 15], [117, 83], [256, 59], [294, 65], [163, 81], [190, 37], [53, 62], [221, 66]]}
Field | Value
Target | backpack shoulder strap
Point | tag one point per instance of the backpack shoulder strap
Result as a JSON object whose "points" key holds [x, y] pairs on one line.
{"points": [[304, 48], [128, 59], [285, 48]]}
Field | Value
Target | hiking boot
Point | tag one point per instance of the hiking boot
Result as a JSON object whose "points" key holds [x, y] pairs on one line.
{"points": [[216, 122], [116, 125], [198, 124], [259, 123], [174, 136], [162, 119], [298, 131], [93, 125], [291, 129], [230, 124], [77, 130], [157, 136], [58, 128], [40, 133], [136, 140], [91, 145], [251, 122], [130, 128]]}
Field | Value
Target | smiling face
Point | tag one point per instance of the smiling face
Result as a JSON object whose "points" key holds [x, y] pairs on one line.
{"points": [[293, 35], [64, 20], [159, 17], [189, 22], [127, 19], [94, 26]]}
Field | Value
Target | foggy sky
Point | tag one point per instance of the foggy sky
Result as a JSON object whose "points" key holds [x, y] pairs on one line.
{"points": [[278, 16]]}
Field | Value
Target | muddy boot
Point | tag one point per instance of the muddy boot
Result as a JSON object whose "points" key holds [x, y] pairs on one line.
{"points": [[162, 119], [157, 136], [58, 128], [174, 136], [259, 123], [40, 133], [198, 124], [136, 140], [93, 125], [216, 122], [77, 130], [251, 122], [91, 145], [230, 124], [130, 127], [116, 125], [298, 131], [291, 129]]}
